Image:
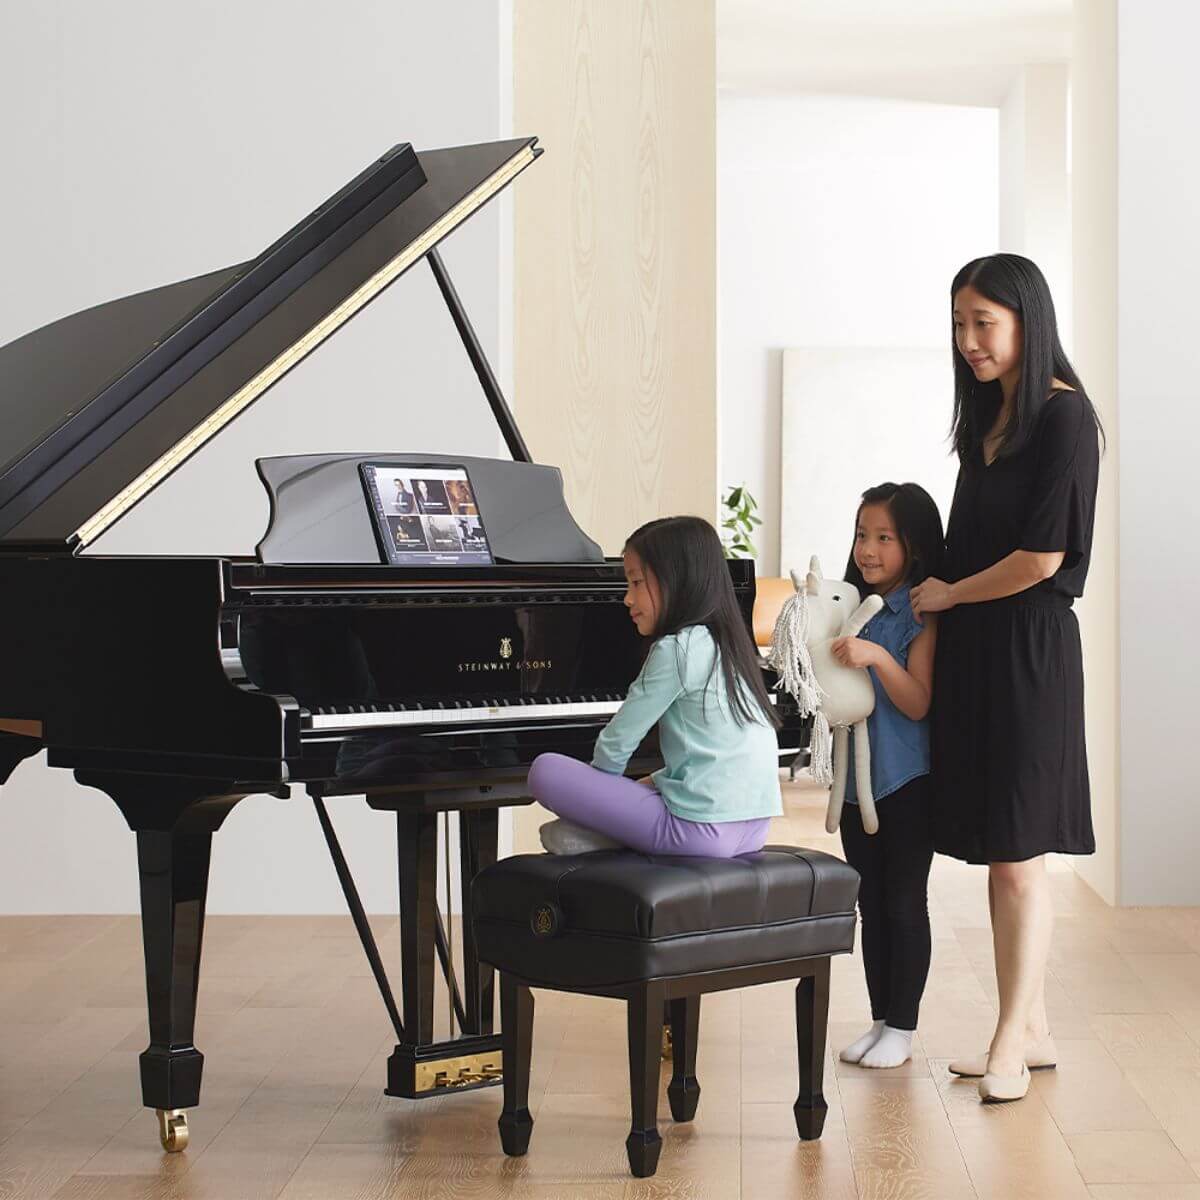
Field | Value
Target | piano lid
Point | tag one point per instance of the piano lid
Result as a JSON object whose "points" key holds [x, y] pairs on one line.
{"points": [[100, 407]]}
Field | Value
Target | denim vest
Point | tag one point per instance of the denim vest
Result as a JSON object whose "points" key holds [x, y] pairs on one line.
{"points": [[899, 746]]}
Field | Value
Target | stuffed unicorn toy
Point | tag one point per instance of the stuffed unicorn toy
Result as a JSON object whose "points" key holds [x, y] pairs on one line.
{"points": [[838, 698]]}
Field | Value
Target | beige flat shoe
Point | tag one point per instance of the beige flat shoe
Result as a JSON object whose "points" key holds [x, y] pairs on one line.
{"points": [[999, 1089], [1042, 1057]]}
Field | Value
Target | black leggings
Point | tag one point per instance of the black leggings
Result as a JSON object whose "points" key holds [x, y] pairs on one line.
{"points": [[894, 865]]}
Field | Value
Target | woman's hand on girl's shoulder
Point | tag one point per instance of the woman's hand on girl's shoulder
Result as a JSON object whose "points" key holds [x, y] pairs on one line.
{"points": [[932, 596]]}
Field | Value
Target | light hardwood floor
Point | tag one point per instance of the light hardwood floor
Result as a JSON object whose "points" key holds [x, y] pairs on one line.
{"points": [[296, 1040]]}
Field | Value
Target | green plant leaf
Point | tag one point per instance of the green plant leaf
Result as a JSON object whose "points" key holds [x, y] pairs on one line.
{"points": [[739, 522]]}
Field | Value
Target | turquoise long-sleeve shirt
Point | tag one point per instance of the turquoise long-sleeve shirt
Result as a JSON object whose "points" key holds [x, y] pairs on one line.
{"points": [[715, 769]]}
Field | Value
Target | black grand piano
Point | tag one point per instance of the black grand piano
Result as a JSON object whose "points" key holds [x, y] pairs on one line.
{"points": [[177, 686]]}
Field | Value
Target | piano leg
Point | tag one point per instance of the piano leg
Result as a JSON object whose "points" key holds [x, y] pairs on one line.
{"points": [[416, 850], [174, 821], [173, 867]]}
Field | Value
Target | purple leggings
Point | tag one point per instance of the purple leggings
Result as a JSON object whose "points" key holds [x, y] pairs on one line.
{"points": [[631, 813]]}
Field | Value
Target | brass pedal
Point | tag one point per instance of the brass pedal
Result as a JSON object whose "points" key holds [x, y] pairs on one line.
{"points": [[470, 1070]]}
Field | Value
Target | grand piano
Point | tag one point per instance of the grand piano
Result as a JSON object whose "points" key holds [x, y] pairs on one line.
{"points": [[177, 686]]}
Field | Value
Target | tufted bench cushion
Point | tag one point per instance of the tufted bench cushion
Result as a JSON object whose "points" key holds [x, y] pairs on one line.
{"points": [[616, 916]]}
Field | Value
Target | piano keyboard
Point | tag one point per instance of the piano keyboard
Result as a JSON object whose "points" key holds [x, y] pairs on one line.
{"points": [[362, 716]]}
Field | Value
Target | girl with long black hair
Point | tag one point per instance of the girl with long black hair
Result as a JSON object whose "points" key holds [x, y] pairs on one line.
{"points": [[1009, 765], [702, 685], [897, 545]]}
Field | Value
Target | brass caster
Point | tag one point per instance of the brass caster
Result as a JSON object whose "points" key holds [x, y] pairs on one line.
{"points": [[172, 1129], [667, 1049]]}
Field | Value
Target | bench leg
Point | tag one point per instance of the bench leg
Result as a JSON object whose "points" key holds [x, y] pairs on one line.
{"points": [[516, 1018], [645, 1015], [684, 1089], [812, 1017]]}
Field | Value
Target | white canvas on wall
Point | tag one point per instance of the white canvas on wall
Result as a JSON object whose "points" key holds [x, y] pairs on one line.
{"points": [[854, 417]]}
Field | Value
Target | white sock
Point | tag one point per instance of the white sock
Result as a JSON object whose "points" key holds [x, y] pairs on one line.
{"points": [[893, 1049], [565, 837], [854, 1052]]}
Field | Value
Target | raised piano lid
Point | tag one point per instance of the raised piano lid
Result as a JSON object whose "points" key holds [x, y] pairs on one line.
{"points": [[99, 408]]}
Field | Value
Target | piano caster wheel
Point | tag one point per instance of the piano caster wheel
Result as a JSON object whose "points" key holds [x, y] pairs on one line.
{"points": [[667, 1049], [172, 1129]]}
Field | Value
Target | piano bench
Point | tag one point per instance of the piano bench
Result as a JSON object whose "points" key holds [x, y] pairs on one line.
{"points": [[658, 932]]}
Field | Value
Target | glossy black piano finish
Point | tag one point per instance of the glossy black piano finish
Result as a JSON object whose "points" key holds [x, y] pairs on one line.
{"points": [[177, 686], [132, 355], [103, 405], [255, 651]]}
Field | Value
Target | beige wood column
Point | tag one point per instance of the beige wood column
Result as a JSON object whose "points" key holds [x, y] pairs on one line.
{"points": [[615, 255], [615, 242]]}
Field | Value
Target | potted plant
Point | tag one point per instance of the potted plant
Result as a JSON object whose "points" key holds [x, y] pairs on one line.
{"points": [[739, 508]]}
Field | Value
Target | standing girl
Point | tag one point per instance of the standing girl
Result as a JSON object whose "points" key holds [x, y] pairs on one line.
{"points": [[897, 544], [702, 685], [1010, 779]]}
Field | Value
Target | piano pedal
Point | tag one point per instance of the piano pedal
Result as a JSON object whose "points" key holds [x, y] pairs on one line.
{"points": [[172, 1129], [488, 1073], [443, 1072], [667, 1049], [470, 1070]]}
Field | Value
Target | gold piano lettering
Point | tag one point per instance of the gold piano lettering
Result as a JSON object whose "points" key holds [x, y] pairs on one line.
{"points": [[517, 664]]}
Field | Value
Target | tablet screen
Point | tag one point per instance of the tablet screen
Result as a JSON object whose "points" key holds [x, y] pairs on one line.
{"points": [[425, 516]]}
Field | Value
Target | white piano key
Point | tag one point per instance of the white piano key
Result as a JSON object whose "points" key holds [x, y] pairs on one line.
{"points": [[462, 716]]}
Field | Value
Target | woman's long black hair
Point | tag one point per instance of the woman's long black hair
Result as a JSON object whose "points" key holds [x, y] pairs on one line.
{"points": [[685, 557], [1017, 284], [918, 526]]}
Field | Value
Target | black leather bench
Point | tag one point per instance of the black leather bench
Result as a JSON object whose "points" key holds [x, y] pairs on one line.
{"points": [[660, 931]]}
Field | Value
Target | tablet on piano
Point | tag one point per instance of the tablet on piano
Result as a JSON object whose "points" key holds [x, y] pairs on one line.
{"points": [[425, 515]]}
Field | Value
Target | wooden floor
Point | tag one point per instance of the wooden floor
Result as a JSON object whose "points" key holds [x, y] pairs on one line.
{"points": [[296, 1039]]}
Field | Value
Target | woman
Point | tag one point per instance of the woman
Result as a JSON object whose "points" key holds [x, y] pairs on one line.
{"points": [[1009, 767]]}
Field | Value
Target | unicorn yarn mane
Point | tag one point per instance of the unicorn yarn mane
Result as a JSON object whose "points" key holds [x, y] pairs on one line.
{"points": [[792, 661], [790, 657]]}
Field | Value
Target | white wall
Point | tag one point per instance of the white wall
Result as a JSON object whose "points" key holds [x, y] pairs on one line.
{"points": [[1094, 260], [147, 142], [841, 223], [1035, 201], [838, 391], [1158, 261]]}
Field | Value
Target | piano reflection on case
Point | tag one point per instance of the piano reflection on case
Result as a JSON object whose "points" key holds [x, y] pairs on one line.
{"points": [[180, 685]]}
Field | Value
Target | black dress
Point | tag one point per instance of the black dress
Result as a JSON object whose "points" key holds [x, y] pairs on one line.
{"points": [[1009, 766]]}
